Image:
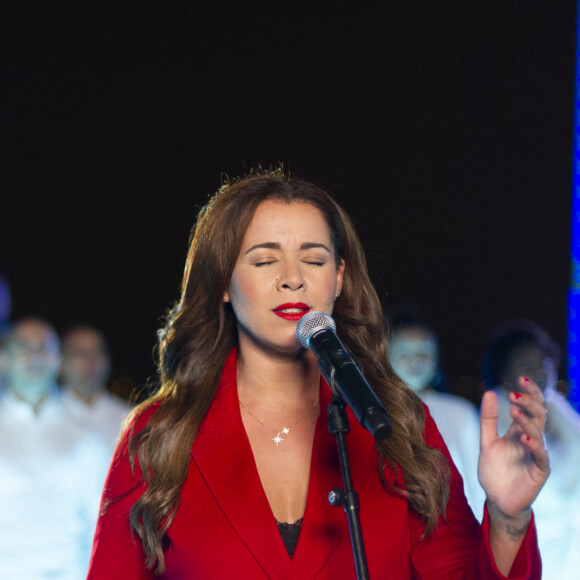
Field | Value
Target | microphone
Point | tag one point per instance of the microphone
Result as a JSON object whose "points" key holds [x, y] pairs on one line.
{"points": [[317, 331]]}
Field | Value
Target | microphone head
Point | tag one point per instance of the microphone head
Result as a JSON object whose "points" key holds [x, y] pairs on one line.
{"points": [[312, 323]]}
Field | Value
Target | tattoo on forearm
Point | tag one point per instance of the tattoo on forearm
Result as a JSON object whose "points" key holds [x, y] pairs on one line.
{"points": [[514, 527], [516, 533]]}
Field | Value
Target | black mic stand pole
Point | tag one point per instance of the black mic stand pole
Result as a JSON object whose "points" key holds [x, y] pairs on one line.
{"points": [[339, 426]]}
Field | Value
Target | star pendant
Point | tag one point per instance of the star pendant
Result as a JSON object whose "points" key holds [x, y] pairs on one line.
{"points": [[285, 431], [277, 439]]}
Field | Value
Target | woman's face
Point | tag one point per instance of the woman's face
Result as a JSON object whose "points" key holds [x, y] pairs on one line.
{"points": [[413, 356], [286, 268]]}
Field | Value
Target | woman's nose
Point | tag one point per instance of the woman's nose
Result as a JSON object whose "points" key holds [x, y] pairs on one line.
{"points": [[291, 277]]}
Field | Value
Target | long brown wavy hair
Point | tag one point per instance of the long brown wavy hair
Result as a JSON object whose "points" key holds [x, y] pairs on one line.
{"points": [[201, 330]]}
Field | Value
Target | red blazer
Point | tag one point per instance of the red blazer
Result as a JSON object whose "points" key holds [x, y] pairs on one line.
{"points": [[224, 527]]}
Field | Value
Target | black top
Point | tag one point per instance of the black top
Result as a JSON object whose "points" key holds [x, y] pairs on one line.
{"points": [[290, 533]]}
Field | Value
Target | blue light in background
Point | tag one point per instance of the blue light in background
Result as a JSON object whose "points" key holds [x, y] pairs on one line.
{"points": [[574, 291]]}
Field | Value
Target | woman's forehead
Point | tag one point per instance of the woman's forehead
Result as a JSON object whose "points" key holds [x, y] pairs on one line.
{"points": [[279, 219]]}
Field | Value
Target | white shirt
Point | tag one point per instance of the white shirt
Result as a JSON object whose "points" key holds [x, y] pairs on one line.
{"points": [[458, 422], [52, 472], [557, 508], [104, 415]]}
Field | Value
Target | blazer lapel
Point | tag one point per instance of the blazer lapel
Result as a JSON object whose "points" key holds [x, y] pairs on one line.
{"points": [[224, 458]]}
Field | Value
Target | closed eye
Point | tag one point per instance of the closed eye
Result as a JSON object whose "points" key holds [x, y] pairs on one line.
{"points": [[264, 263]]}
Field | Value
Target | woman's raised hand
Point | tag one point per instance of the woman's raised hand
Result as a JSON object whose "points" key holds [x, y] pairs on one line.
{"points": [[513, 468]]}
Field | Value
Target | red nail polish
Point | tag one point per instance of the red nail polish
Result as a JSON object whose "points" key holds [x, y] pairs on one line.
{"points": [[527, 438], [517, 395], [526, 380]]}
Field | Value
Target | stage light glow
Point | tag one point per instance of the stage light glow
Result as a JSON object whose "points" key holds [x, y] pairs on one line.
{"points": [[574, 290]]}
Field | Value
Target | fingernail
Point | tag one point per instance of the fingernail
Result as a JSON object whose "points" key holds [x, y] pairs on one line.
{"points": [[526, 380], [527, 438], [517, 395]]}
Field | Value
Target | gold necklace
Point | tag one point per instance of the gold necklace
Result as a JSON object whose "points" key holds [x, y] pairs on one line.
{"points": [[285, 430]]}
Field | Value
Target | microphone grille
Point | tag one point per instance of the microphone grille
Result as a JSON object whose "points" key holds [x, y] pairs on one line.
{"points": [[312, 323]]}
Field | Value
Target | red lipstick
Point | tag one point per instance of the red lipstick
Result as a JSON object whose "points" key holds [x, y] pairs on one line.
{"points": [[291, 310]]}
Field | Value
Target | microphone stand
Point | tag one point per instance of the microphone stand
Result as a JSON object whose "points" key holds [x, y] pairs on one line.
{"points": [[339, 426]]}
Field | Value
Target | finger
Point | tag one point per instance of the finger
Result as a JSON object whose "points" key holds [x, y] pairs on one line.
{"points": [[531, 406], [531, 400], [531, 438], [530, 388], [488, 419], [527, 425], [537, 448]]}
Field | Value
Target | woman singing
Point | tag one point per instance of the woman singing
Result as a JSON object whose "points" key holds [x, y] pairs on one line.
{"points": [[225, 471]]}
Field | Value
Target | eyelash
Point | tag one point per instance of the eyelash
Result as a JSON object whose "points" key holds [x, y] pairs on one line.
{"points": [[267, 263]]}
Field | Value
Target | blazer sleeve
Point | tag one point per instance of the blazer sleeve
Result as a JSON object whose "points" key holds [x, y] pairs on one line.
{"points": [[459, 547], [117, 552]]}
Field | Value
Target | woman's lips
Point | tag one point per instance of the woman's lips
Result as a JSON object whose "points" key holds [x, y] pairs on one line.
{"points": [[291, 311]]}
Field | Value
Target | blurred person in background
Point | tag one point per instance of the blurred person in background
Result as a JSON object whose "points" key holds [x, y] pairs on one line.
{"points": [[85, 369], [523, 348], [414, 356], [51, 467]]}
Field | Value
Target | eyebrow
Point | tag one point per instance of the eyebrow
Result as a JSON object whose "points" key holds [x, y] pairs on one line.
{"points": [[276, 246]]}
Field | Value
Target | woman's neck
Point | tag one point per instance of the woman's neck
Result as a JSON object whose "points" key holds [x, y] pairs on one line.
{"points": [[270, 379]]}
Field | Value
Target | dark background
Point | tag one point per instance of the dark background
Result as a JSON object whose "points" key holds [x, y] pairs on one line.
{"points": [[444, 128]]}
